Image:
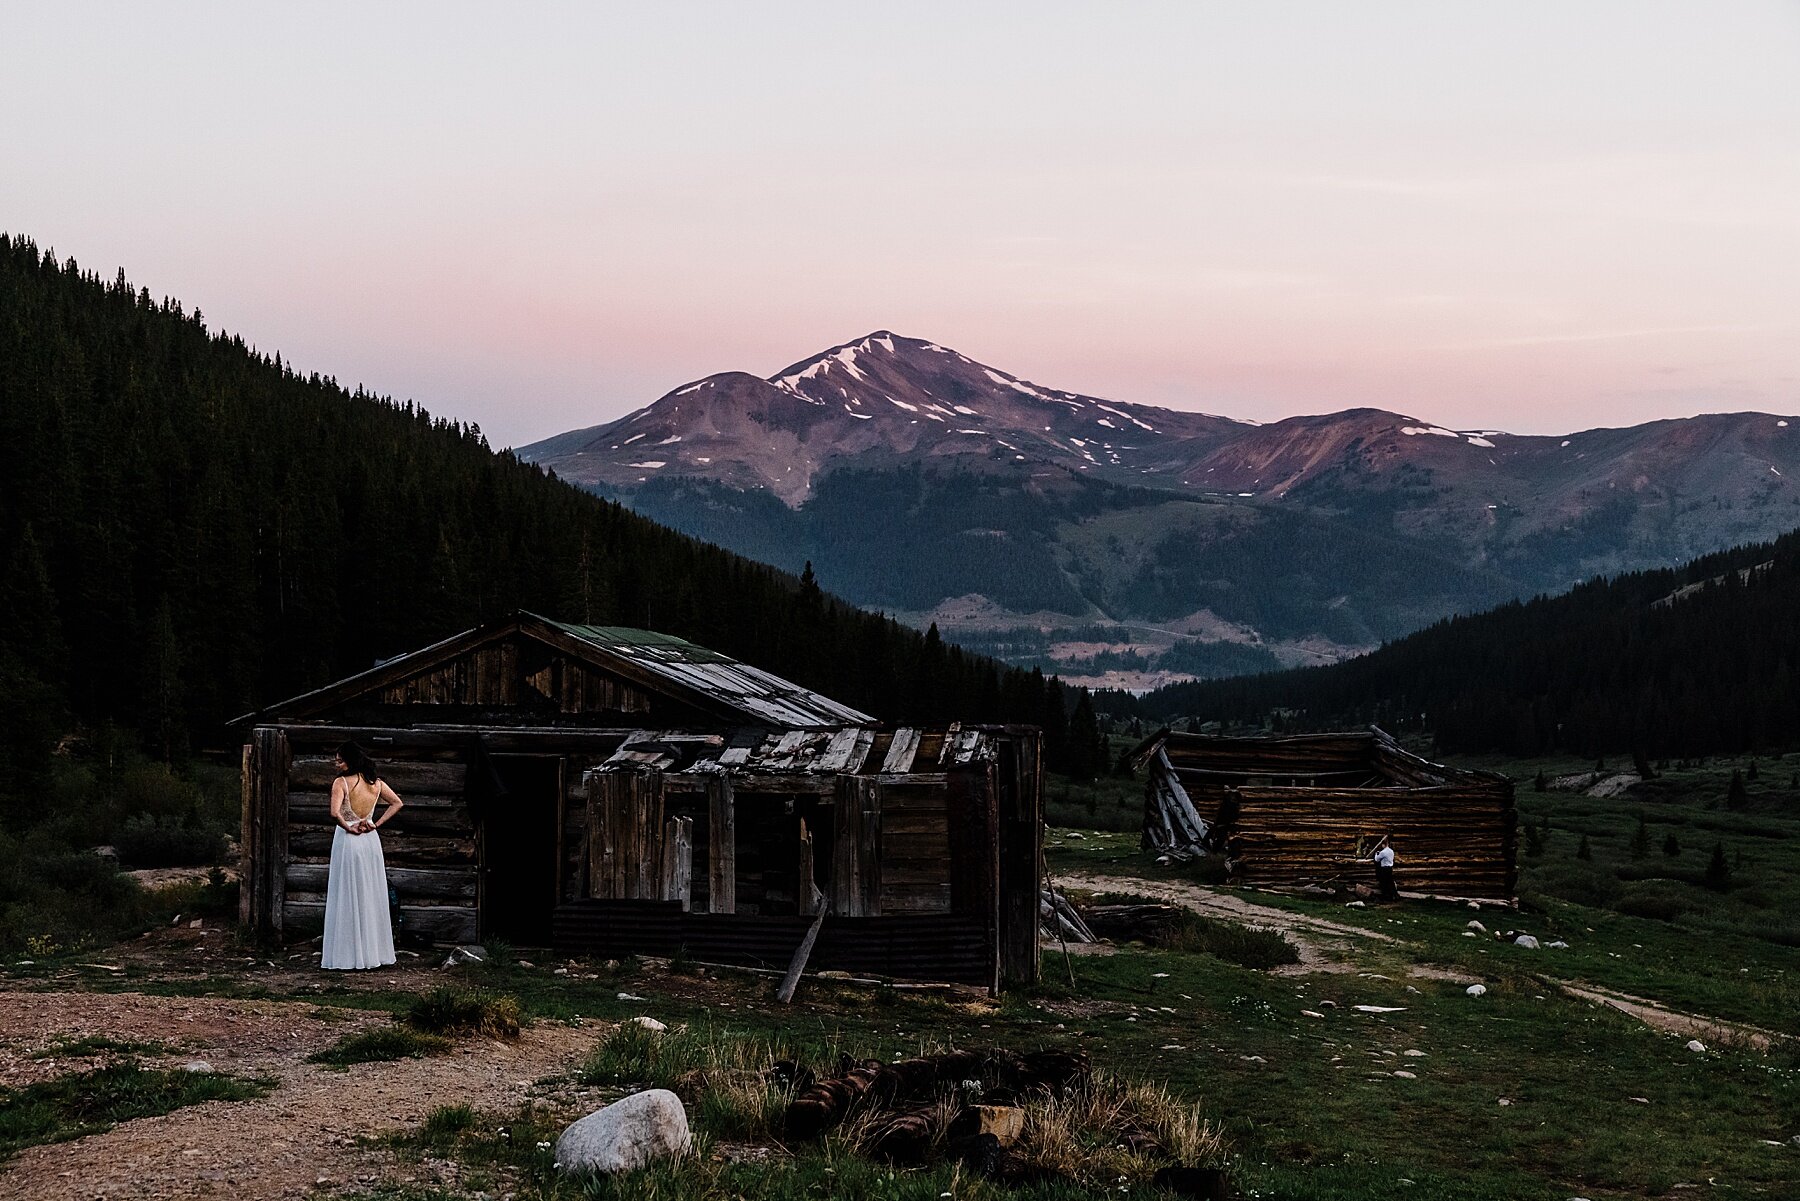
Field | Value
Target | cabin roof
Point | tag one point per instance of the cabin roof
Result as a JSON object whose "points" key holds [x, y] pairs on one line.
{"points": [[708, 679], [1368, 757], [854, 750]]}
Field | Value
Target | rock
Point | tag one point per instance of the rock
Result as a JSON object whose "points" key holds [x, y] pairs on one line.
{"points": [[1526, 941], [627, 1134], [1476, 990], [1075, 836], [1354, 905], [468, 953], [197, 1065], [1696, 1045], [1558, 945], [1476, 926], [631, 996], [1413, 1052], [1311, 1013], [1407, 1075], [1327, 1004], [1379, 1008], [650, 1024], [1004, 1122]]}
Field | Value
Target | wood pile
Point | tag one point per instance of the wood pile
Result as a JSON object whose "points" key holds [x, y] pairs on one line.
{"points": [[908, 1101], [1062, 922], [1150, 923]]}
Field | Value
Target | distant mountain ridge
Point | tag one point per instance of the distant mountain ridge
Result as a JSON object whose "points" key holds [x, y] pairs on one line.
{"points": [[1142, 525]]}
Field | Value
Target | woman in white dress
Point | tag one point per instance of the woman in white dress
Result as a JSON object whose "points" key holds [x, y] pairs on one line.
{"points": [[358, 933]]}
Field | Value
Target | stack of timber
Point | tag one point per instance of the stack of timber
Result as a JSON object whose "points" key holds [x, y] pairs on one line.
{"points": [[1061, 921], [1306, 811]]}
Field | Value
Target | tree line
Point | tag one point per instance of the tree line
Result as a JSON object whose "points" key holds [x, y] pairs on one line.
{"points": [[1696, 660], [191, 529]]}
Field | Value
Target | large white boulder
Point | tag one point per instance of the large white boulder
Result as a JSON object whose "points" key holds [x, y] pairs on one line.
{"points": [[627, 1134]]}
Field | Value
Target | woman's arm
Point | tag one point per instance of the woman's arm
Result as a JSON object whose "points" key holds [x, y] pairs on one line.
{"points": [[394, 803]]}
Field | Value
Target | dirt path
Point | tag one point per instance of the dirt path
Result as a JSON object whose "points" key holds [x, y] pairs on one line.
{"points": [[1327, 946], [1660, 1017], [1323, 945], [300, 1138]]}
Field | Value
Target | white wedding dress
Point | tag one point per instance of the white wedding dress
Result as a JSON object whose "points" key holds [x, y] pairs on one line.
{"points": [[358, 933]]}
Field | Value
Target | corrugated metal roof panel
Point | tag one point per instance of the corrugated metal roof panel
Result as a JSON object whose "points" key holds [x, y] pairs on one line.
{"points": [[751, 689]]}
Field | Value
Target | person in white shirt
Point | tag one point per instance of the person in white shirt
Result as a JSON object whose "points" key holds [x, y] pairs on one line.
{"points": [[1384, 870]]}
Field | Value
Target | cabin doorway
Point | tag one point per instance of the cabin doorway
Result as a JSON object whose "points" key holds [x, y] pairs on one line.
{"points": [[519, 850]]}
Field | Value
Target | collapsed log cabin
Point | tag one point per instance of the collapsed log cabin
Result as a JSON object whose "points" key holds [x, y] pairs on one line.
{"points": [[1306, 810], [612, 791]]}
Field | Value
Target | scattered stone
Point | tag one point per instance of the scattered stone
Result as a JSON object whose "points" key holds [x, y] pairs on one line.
{"points": [[1526, 941], [650, 1024], [1414, 1052], [1476, 990], [1506, 1100], [1354, 905], [1379, 1008], [1407, 1075], [631, 996], [1639, 1100], [526, 963], [629, 1133], [1311, 1013], [1327, 1004], [1558, 945], [1075, 836], [198, 1066], [1476, 926], [468, 953], [1696, 1045]]}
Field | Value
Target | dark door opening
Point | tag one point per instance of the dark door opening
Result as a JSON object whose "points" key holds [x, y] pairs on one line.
{"points": [[519, 850]]}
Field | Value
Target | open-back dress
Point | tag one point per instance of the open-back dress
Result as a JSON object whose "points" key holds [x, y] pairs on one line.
{"points": [[358, 933]]}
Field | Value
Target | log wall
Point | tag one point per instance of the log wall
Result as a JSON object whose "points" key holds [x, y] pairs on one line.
{"points": [[1452, 841]]}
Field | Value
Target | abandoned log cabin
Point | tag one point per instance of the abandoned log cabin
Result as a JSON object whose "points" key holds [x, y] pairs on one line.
{"points": [[615, 791], [1308, 809]]}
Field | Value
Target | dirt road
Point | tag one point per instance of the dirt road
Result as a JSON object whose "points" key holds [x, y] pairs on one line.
{"points": [[301, 1137]]}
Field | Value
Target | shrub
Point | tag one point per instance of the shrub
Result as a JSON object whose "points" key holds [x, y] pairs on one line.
{"points": [[148, 840], [1261, 949], [450, 1010], [1661, 901], [1584, 852], [1718, 871], [1671, 847], [381, 1045]]}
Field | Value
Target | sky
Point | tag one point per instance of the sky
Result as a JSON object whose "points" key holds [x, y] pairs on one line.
{"points": [[1535, 217]]}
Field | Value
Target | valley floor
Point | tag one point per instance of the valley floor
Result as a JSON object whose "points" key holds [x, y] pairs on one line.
{"points": [[1526, 1092]]}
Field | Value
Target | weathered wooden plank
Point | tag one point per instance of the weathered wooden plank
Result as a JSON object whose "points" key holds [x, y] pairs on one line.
{"points": [[856, 853], [807, 897], [438, 883], [901, 751], [836, 755], [721, 850], [677, 873], [404, 776], [436, 923]]}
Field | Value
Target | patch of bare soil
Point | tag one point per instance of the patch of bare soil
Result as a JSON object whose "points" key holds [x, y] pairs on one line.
{"points": [[1713, 1031], [1322, 944], [301, 1138]]}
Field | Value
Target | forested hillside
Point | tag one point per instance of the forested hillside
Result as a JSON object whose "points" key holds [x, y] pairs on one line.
{"points": [[189, 529], [1702, 659]]}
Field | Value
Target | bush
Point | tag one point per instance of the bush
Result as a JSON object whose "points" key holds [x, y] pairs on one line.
{"points": [[1662, 901], [147, 840], [381, 1045], [450, 1010]]}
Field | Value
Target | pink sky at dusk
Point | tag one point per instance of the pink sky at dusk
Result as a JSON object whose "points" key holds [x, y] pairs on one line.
{"points": [[1536, 217]]}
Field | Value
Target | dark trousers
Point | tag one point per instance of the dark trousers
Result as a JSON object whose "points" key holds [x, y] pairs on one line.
{"points": [[1384, 880]]}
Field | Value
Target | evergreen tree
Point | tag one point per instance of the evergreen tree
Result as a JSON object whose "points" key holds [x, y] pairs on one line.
{"points": [[1640, 840], [1083, 740], [1540, 783], [1736, 796], [1750, 772], [1534, 842], [1718, 871], [1583, 851], [1671, 847]]}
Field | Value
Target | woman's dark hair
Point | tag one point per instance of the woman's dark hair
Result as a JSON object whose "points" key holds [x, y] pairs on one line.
{"points": [[358, 761]]}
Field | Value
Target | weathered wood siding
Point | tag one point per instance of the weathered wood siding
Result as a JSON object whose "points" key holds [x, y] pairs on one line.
{"points": [[508, 675], [1453, 841], [430, 845]]}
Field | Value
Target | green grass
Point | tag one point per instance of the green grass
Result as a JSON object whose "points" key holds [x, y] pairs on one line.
{"points": [[91, 1045], [84, 1103], [452, 1010], [381, 1045]]}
